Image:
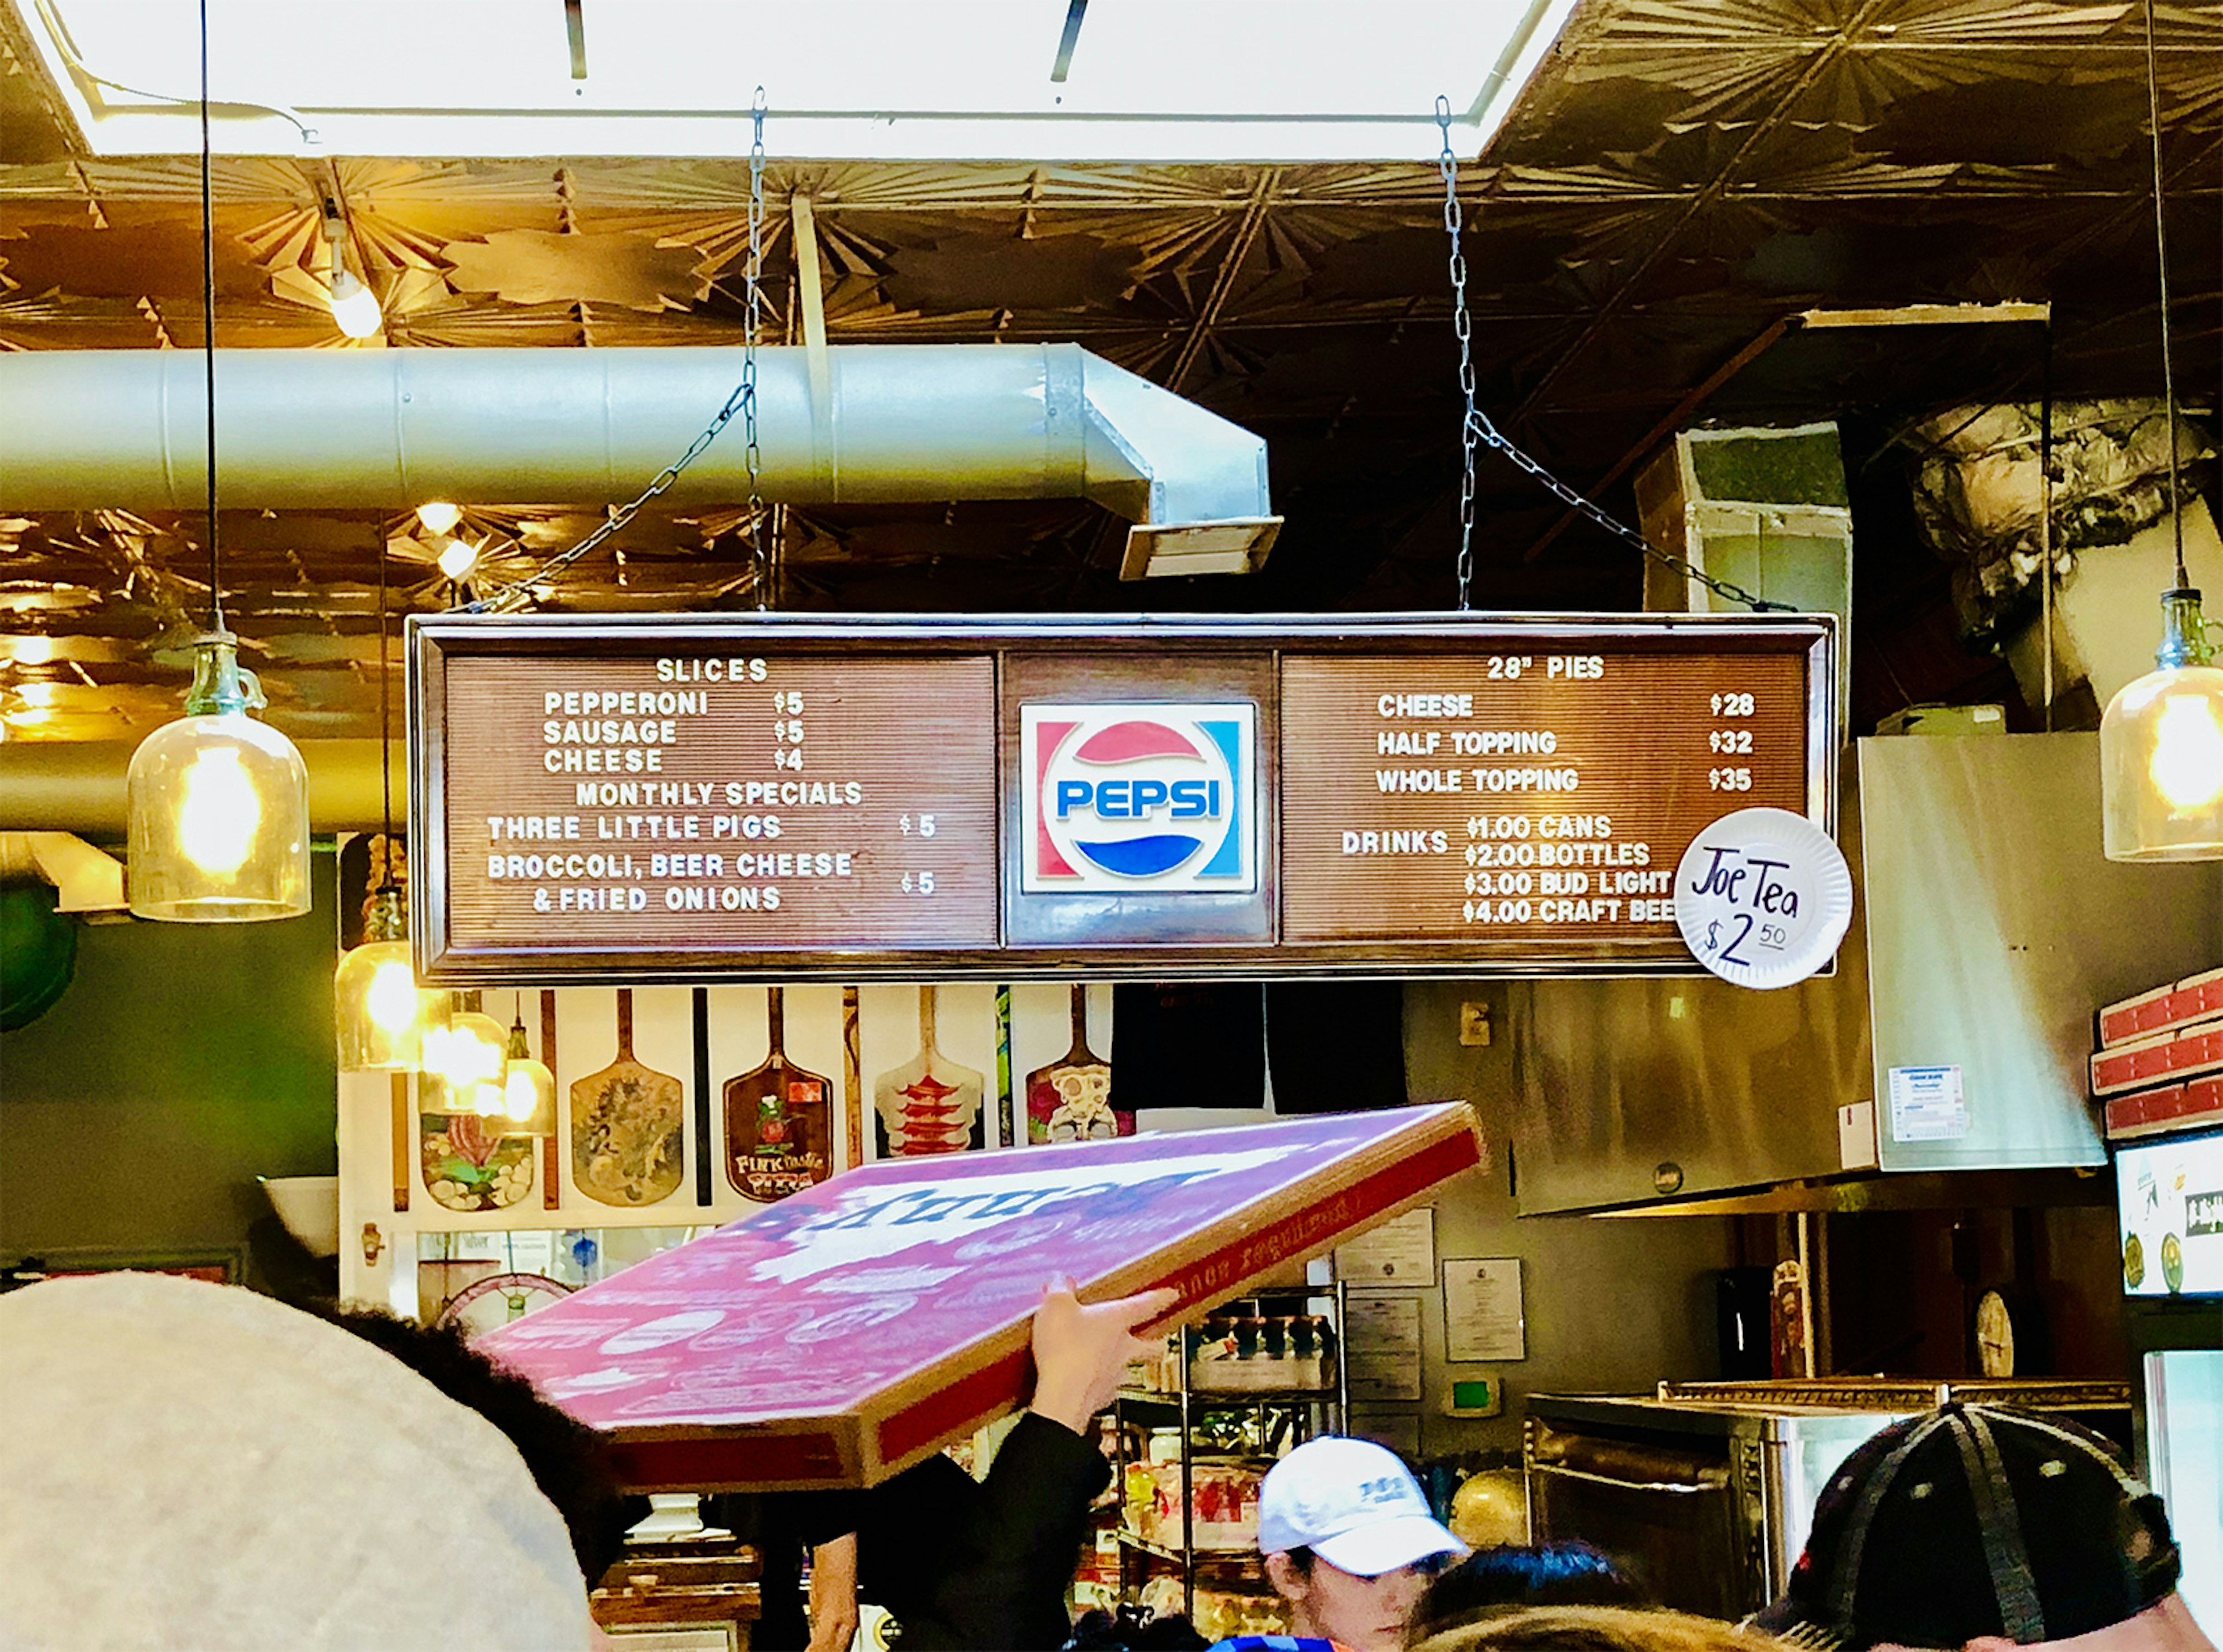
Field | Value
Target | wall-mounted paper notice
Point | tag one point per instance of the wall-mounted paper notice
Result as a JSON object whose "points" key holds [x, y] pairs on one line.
{"points": [[1403, 1251], [1484, 1317], [1927, 1104], [1382, 1346]]}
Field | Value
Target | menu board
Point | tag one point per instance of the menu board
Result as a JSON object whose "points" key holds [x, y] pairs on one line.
{"points": [[788, 797], [705, 801], [1517, 794]]}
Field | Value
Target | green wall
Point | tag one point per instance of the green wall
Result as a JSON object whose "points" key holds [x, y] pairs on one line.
{"points": [[184, 1060]]}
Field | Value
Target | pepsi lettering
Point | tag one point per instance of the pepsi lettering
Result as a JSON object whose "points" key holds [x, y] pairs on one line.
{"points": [[1122, 799]]}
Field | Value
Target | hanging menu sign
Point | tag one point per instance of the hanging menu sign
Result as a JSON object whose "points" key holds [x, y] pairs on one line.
{"points": [[792, 797]]}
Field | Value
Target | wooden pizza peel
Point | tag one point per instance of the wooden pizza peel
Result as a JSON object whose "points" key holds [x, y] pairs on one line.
{"points": [[628, 1129]]}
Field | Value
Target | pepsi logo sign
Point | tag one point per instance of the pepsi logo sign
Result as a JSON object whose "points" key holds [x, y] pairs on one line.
{"points": [[1140, 798]]}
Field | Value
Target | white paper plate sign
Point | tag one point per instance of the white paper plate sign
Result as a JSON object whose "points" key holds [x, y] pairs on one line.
{"points": [[1763, 897]]}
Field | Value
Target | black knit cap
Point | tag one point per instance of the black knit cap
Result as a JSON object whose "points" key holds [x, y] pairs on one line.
{"points": [[1975, 1520]]}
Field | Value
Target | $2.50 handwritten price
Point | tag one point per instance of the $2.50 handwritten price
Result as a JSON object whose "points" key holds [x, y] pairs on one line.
{"points": [[1740, 880]]}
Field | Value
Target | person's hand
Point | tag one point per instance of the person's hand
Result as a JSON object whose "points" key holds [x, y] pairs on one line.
{"points": [[833, 1616], [1081, 1353]]}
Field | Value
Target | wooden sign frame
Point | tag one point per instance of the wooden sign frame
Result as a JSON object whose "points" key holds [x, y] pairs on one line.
{"points": [[1106, 659]]}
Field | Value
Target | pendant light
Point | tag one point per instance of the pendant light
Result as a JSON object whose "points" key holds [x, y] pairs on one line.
{"points": [[470, 1058], [529, 1092], [2160, 742], [382, 1014], [218, 802]]}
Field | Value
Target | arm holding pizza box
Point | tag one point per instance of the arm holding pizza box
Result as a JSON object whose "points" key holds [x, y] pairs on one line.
{"points": [[966, 1564]]}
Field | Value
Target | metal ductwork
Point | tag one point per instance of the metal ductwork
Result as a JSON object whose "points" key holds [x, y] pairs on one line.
{"points": [[82, 430]]}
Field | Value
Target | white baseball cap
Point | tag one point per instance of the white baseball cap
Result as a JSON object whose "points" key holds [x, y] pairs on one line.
{"points": [[1354, 1505]]}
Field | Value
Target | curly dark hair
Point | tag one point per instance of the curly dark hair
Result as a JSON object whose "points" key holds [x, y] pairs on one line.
{"points": [[568, 1461], [1517, 1576]]}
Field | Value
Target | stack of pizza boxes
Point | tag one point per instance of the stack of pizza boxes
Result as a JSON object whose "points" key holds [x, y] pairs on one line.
{"points": [[2159, 1066]]}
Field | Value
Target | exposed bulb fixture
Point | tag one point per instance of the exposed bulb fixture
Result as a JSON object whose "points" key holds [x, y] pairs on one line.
{"points": [[529, 1092], [384, 1017], [2161, 741], [2161, 749], [438, 516], [471, 1056], [219, 811], [355, 306], [219, 805], [458, 559]]}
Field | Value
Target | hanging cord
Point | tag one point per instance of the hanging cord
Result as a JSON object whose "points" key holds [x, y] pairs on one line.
{"points": [[2161, 258], [384, 725], [507, 599], [759, 563], [207, 324], [1476, 425]]}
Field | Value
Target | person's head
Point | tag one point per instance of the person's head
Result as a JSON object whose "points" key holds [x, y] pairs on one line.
{"points": [[192, 1465], [567, 1459], [1521, 1575], [1349, 1541], [1591, 1629], [1980, 1527]]}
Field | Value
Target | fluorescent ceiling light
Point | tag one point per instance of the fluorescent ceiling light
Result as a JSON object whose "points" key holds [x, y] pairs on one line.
{"points": [[880, 79]]}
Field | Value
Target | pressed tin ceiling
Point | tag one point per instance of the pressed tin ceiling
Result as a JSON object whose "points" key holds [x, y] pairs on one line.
{"points": [[1674, 181]]}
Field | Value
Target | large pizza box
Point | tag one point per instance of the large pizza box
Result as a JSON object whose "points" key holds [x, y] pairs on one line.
{"points": [[2163, 1057], [2166, 1109], [850, 1330], [2170, 1005]]}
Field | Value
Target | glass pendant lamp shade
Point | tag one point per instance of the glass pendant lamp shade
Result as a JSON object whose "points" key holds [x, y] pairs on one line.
{"points": [[219, 805], [384, 1016], [471, 1058], [2161, 750], [529, 1092]]}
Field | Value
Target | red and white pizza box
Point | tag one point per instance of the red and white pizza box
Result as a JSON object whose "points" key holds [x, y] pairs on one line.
{"points": [[2195, 1106], [2170, 1005], [846, 1332], [2159, 1058]]}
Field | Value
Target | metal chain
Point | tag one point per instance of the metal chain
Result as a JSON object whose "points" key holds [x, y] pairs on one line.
{"points": [[1454, 222], [509, 598], [759, 563], [1476, 425]]}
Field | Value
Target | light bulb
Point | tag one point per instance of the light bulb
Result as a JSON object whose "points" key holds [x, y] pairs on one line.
{"points": [[519, 1096], [2187, 765], [392, 997], [474, 1054], [458, 559], [355, 306], [488, 1101], [438, 516], [221, 812]]}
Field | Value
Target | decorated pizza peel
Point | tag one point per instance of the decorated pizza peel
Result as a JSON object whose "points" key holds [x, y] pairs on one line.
{"points": [[1070, 1099], [843, 1333], [628, 1127], [777, 1140], [929, 1104]]}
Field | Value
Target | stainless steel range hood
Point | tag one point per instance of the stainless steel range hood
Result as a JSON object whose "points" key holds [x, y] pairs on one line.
{"points": [[1989, 928]]}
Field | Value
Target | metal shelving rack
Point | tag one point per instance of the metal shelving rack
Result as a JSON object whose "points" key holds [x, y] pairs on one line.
{"points": [[1185, 1404]]}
